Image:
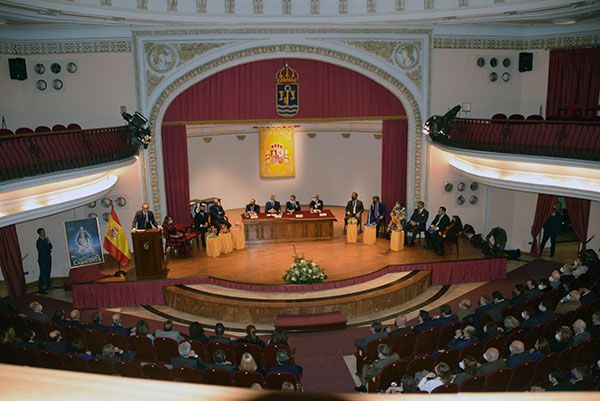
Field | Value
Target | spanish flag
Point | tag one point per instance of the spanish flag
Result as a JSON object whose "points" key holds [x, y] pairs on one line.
{"points": [[115, 241]]}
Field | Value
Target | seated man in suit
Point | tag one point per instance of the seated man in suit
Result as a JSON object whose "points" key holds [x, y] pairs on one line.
{"points": [[446, 317], [377, 215], [56, 344], [316, 204], [273, 206], [219, 336], [220, 362], [168, 332], [425, 322], [114, 354], [385, 356], [377, 332], [252, 208], [463, 338], [292, 206], [201, 223], [493, 362], [187, 357], [400, 328], [117, 328], [285, 365], [439, 223], [354, 208], [96, 323], [144, 219], [518, 355], [217, 214], [416, 223], [449, 233]]}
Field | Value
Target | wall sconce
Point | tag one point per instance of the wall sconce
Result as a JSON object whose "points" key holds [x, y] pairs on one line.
{"points": [[207, 139], [345, 135], [311, 135], [240, 137], [377, 136]]}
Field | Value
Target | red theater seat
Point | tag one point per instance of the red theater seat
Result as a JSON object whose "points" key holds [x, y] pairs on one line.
{"points": [[247, 379]]}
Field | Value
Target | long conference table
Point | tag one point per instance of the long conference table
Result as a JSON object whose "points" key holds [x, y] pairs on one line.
{"points": [[289, 227]]}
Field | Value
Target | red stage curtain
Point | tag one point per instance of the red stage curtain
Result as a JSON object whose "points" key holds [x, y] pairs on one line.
{"points": [[573, 79], [393, 162], [579, 212], [545, 203], [177, 180], [10, 261]]}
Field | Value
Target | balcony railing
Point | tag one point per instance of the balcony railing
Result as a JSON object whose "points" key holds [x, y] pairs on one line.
{"points": [[27, 155], [563, 139]]}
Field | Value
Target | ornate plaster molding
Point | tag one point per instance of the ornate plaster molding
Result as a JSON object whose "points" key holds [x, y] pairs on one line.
{"points": [[548, 43], [64, 47]]}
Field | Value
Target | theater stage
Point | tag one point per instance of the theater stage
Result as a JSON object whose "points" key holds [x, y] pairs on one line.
{"points": [[251, 277]]}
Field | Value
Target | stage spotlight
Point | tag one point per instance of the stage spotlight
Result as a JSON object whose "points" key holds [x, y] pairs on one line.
{"points": [[136, 123], [440, 125]]}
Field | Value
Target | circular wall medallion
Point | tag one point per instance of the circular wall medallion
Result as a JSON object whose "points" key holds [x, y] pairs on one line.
{"points": [[406, 56], [39, 68], [55, 68], [506, 76], [460, 200], [493, 77], [474, 186], [120, 201], [494, 62], [105, 216], [41, 85], [92, 215], [92, 204], [461, 186], [57, 84], [480, 62], [448, 187], [72, 68], [473, 199], [161, 57], [506, 62], [106, 202]]}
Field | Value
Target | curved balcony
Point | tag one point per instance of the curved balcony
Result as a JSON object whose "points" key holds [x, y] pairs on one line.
{"points": [[27, 155], [558, 139]]}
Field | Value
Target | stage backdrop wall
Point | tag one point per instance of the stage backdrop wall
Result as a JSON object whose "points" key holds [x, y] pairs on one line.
{"points": [[329, 165]]}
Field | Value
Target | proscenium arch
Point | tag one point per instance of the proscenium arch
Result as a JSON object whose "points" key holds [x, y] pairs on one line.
{"points": [[199, 70]]}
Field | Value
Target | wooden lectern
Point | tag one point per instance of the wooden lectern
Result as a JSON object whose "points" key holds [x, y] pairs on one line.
{"points": [[148, 253]]}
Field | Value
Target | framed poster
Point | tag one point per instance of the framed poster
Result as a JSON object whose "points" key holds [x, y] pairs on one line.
{"points": [[83, 242]]}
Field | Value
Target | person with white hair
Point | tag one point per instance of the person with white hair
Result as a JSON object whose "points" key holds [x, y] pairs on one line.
{"points": [[187, 357], [492, 362], [36, 312], [579, 331], [75, 319], [400, 328], [117, 327], [465, 308], [569, 303], [517, 356]]}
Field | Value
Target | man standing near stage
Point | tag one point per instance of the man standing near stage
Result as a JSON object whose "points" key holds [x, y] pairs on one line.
{"points": [[144, 219], [44, 249], [416, 223]]}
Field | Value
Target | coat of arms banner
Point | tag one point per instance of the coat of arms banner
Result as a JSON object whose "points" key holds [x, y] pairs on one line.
{"points": [[276, 153]]}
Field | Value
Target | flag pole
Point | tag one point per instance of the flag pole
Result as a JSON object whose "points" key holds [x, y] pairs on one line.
{"points": [[120, 273]]}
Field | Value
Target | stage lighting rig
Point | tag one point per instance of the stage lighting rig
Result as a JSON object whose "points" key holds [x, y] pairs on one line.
{"points": [[136, 124], [440, 125]]}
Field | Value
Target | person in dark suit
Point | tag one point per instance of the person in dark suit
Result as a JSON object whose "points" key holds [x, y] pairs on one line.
{"points": [[400, 328], [36, 312], [560, 381], [416, 224], [354, 208], [252, 207], [546, 313], [292, 206], [552, 226], [439, 223], [485, 305], [272, 206], [518, 355], [425, 322], [56, 345], [446, 317], [533, 292], [217, 214], [377, 214], [96, 323], [316, 204], [285, 365], [44, 249], [114, 354], [187, 357], [144, 219], [117, 328], [463, 338], [376, 332], [201, 223], [220, 362], [219, 336], [449, 233]]}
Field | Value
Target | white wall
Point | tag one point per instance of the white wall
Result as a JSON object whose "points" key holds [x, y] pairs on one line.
{"points": [[594, 227], [91, 97], [456, 79], [328, 164]]}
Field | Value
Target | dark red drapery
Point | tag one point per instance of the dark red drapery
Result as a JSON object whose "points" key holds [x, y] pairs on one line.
{"points": [[544, 206], [393, 166], [177, 179], [10, 261], [247, 92], [573, 79], [579, 212]]}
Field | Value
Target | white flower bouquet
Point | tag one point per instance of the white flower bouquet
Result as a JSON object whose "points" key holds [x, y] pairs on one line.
{"points": [[304, 271]]}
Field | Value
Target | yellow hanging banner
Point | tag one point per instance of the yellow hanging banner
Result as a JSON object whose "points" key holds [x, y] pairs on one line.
{"points": [[276, 153]]}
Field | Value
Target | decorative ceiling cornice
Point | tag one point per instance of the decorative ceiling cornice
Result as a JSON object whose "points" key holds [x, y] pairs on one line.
{"points": [[64, 47], [589, 39]]}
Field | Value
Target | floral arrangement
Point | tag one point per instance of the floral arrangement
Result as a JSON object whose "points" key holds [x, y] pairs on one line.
{"points": [[304, 271], [212, 233], [352, 220], [224, 229]]}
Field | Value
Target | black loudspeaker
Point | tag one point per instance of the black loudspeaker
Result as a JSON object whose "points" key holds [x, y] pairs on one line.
{"points": [[18, 69], [525, 62]]}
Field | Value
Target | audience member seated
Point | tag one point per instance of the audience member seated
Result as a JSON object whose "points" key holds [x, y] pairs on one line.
{"points": [[187, 357], [142, 329], [75, 320], [113, 354], [532, 291], [569, 303], [55, 344], [400, 328], [117, 328], [248, 364], [579, 331], [559, 382], [431, 381], [9, 336], [197, 333], [581, 378], [219, 336], [27, 340], [220, 362], [59, 317], [425, 322], [587, 296], [518, 355], [578, 268], [463, 338], [500, 303], [562, 339], [544, 286], [78, 348], [594, 329], [448, 234], [251, 337], [546, 313], [492, 362], [285, 365], [464, 309], [485, 305], [96, 323], [554, 280], [529, 320], [376, 332], [510, 323], [446, 318], [408, 385], [518, 295], [36, 312], [468, 368], [168, 332], [278, 336], [541, 348], [384, 356], [490, 330]]}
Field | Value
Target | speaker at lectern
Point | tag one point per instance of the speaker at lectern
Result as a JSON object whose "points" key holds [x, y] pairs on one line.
{"points": [[148, 253]]}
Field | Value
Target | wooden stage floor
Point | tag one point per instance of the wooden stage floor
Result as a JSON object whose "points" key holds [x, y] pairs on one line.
{"points": [[267, 264]]}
